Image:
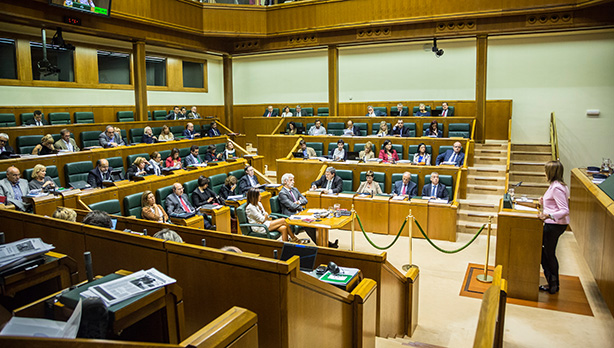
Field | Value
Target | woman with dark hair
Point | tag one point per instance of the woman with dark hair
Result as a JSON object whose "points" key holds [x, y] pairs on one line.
{"points": [[291, 128], [433, 130], [257, 215], [155, 163], [173, 161], [166, 134], [210, 156], [555, 215], [228, 189], [371, 187], [203, 194], [286, 112], [422, 157], [388, 154]]}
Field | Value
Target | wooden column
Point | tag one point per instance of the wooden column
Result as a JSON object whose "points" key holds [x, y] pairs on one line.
{"points": [[140, 80], [228, 93], [333, 81], [480, 87]]}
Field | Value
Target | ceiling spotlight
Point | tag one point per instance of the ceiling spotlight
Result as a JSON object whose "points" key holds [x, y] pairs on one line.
{"points": [[438, 51], [58, 40]]}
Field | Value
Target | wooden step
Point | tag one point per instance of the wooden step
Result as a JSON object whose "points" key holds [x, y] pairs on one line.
{"points": [[486, 171], [532, 147], [530, 156], [486, 180], [470, 227], [486, 189], [536, 167], [475, 216], [474, 206], [490, 160], [534, 177]]}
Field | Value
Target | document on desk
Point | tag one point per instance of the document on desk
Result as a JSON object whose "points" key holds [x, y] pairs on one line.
{"points": [[35, 327], [523, 208], [129, 286], [398, 198], [12, 254]]}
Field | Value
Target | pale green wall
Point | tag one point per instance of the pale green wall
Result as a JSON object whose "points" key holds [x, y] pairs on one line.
{"points": [[564, 73], [292, 77]]}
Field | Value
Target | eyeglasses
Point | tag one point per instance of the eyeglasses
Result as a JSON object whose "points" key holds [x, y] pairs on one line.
{"points": [[2, 141]]}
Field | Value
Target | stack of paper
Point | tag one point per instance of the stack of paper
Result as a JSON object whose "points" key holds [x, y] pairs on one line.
{"points": [[12, 254], [34, 327]]}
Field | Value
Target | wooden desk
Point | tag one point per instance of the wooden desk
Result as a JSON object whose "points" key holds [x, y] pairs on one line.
{"points": [[322, 226], [220, 217], [519, 247], [373, 212]]}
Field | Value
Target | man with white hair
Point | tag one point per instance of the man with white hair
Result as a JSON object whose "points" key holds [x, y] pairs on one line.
{"points": [[5, 149], [14, 189]]}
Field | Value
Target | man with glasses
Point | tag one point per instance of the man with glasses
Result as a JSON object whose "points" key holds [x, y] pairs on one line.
{"points": [[109, 138], [5, 149], [452, 157], [14, 189]]}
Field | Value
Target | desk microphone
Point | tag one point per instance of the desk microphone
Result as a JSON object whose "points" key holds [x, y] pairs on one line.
{"points": [[518, 184], [88, 266], [2, 240], [275, 254], [203, 242]]}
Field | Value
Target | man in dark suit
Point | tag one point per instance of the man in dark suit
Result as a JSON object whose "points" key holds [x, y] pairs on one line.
{"points": [[14, 189], [351, 129], [270, 112], [193, 158], [455, 156], [175, 114], [435, 189], [372, 112], [445, 112], [248, 180], [400, 130], [299, 112], [102, 172], [213, 131], [189, 133], [38, 119], [330, 182], [5, 149], [177, 203], [401, 112], [405, 187]]}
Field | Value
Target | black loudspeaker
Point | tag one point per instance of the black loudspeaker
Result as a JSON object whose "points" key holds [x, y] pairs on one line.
{"points": [[333, 268]]}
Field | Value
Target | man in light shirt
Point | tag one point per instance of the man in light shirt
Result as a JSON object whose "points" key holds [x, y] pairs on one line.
{"points": [[317, 129], [66, 142]]}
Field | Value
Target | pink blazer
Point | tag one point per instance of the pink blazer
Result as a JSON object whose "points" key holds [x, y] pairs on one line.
{"points": [[556, 202]]}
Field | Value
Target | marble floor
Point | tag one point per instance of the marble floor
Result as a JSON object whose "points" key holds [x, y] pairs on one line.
{"points": [[446, 319]]}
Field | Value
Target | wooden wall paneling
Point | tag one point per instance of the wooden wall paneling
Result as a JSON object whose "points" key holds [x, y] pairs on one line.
{"points": [[228, 118], [24, 60], [139, 80], [497, 116], [174, 73], [480, 87], [86, 65], [333, 81], [607, 269]]}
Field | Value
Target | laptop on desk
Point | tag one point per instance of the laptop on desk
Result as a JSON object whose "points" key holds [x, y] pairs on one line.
{"points": [[352, 156], [298, 155], [306, 253]]}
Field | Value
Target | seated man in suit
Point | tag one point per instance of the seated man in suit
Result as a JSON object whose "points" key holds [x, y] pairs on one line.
{"points": [[405, 187], [189, 133], [317, 129], [193, 158], [109, 138], [248, 180], [401, 111], [270, 112], [299, 112], [99, 174], [351, 129], [445, 112], [330, 182], [453, 157], [435, 189], [339, 153], [399, 130], [307, 151], [5, 149], [372, 113], [177, 203], [38, 119], [175, 114], [193, 113], [213, 131], [14, 189], [66, 143]]}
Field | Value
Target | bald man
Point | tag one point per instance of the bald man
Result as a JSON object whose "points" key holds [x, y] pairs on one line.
{"points": [[99, 174], [14, 189]]}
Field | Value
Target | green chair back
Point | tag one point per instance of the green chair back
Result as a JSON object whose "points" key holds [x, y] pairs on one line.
{"points": [[159, 115], [25, 117], [378, 177], [26, 143], [90, 138], [363, 127], [381, 109], [275, 207], [7, 120], [77, 171], [164, 155], [117, 163], [156, 130], [411, 129], [348, 179], [443, 179], [189, 187], [335, 128], [358, 147], [161, 195], [220, 147], [395, 112], [323, 111], [317, 147], [177, 130], [132, 205], [125, 116], [443, 149], [217, 181], [459, 130], [111, 206], [136, 135], [59, 118], [3, 175], [84, 117], [183, 152], [308, 111]]}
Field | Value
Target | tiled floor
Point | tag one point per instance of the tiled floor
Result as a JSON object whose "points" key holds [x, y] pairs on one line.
{"points": [[449, 320]]}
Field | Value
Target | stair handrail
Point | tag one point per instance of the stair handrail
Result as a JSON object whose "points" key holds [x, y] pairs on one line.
{"points": [[554, 140], [509, 155]]}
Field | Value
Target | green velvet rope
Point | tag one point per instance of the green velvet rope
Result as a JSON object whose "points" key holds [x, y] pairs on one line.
{"points": [[371, 242], [448, 251]]}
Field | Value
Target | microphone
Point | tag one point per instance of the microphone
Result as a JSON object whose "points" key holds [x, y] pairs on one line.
{"points": [[203, 242], [275, 254], [2, 240], [518, 184], [88, 266]]}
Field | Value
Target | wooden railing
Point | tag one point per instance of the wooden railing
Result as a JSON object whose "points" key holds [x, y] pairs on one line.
{"points": [[489, 332], [554, 139]]}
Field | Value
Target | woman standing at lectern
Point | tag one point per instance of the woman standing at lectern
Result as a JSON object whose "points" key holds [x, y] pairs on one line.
{"points": [[555, 216]]}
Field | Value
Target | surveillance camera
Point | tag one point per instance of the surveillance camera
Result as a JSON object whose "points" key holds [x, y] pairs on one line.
{"points": [[439, 53]]}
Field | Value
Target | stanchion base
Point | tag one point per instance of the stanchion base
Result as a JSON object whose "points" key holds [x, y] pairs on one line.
{"points": [[406, 267], [484, 278]]}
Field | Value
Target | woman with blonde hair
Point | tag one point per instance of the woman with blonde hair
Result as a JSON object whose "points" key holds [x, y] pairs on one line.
{"points": [[45, 147], [371, 187], [166, 134], [40, 180], [383, 129], [148, 137], [138, 168], [150, 210], [367, 153], [63, 213]]}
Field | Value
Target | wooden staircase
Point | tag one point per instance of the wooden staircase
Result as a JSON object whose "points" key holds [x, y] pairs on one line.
{"points": [[527, 165]]}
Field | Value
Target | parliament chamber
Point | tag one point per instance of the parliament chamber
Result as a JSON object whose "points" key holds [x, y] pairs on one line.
{"points": [[500, 81]]}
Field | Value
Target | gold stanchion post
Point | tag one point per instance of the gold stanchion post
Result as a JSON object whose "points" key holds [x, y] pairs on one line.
{"points": [[410, 221], [485, 278], [353, 218]]}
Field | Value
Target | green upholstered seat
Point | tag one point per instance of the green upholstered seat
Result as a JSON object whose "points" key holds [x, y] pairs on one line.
{"points": [[25, 117], [7, 120], [332, 146], [52, 172], [411, 151], [308, 127], [440, 108], [323, 111], [220, 147], [124, 135], [237, 174], [416, 108], [205, 129], [307, 111], [398, 148], [156, 130], [443, 179], [399, 176], [348, 179], [358, 147], [197, 128], [132, 205], [125, 116], [189, 187], [162, 193], [381, 109], [217, 181], [444, 148], [246, 228], [317, 147], [177, 131], [164, 155], [459, 130], [59, 118], [77, 171], [130, 158], [84, 117], [90, 138], [183, 152], [375, 128], [335, 128], [378, 177], [363, 127], [26, 143], [411, 129], [111, 206], [395, 112], [136, 135], [3, 175], [159, 115], [117, 163]]}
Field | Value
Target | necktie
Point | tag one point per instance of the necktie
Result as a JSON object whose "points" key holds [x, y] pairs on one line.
{"points": [[434, 191], [328, 185], [404, 192], [444, 113], [185, 206], [269, 115], [293, 196], [17, 192], [38, 123]]}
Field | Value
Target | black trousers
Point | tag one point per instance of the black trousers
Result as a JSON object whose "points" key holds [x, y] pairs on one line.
{"points": [[551, 235]]}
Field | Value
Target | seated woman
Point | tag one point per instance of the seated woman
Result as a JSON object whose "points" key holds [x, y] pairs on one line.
{"points": [[257, 215], [138, 168], [422, 111], [210, 156], [422, 157], [367, 153], [383, 129], [155, 163], [228, 189], [166, 134], [148, 137], [45, 147], [291, 128], [40, 180], [203, 194], [433, 131], [339, 153], [63, 213], [229, 152], [150, 210], [173, 161], [371, 187], [286, 112], [388, 154]]}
